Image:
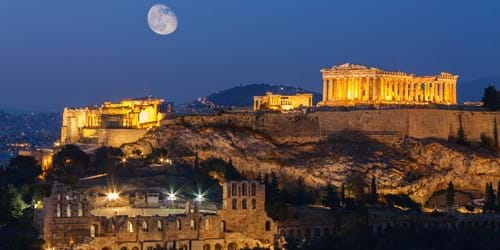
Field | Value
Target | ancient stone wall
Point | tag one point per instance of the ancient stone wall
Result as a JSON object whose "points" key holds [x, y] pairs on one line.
{"points": [[117, 137], [417, 123], [388, 124]]}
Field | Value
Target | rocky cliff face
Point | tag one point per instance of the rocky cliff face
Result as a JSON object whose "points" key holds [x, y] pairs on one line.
{"points": [[411, 166]]}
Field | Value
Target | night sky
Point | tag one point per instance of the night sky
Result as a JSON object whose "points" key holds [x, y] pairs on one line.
{"points": [[57, 53]]}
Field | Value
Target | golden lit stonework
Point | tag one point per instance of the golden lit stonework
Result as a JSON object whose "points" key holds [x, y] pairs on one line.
{"points": [[129, 114], [351, 84], [282, 102]]}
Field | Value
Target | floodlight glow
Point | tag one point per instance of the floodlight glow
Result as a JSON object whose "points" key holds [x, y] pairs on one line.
{"points": [[200, 197], [172, 197], [113, 196]]}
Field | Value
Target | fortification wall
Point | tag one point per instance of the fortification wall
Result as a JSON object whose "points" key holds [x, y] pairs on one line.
{"points": [[381, 124], [117, 137], [418, 123]]}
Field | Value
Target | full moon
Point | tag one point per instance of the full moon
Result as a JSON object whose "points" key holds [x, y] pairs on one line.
{"points": [[162, 20]]}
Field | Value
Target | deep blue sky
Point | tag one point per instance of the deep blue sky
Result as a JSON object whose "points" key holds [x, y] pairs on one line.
{"points": [[56, 53]]}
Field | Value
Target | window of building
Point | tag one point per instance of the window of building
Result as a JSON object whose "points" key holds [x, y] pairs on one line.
{"points": [[68, 210], [58, 210], [254, 189], [135, 248], [80, 209], [244, 189], [207, 224], [179, 225], [144, 226], [206, 247], [159, 225], [123, 248], [92, 231], [193, 224], [218, 247], [234, 204], [130, 227], [268, 226], [254, 204], [234, 189], [244, 204]]}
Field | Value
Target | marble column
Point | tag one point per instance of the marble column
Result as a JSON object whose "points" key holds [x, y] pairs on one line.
{"points": [[325, 91]]}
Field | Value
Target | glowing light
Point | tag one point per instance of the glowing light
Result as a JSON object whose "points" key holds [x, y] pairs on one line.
{"points": [[38, 204], [124, 160], [113, 196], [172, 197], [200, 197]]}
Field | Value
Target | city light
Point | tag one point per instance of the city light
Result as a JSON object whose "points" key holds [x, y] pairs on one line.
{"points": [[172, 197], [112, 196], [124, 160], [200, 197]]}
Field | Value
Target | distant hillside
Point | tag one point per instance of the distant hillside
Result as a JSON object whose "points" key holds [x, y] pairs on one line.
{"points": [[473, 90], [242, 96]]}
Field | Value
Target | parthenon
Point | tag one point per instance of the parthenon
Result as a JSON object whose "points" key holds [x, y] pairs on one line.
{"points": [[351, 84]]}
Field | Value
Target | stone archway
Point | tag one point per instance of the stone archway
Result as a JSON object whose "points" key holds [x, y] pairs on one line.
{"points": [[206, 247], [232, 246]]}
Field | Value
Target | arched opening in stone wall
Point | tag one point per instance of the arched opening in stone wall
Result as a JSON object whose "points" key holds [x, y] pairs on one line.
{"points": [[206, 247], [254, 189], [232, 246], [218, 247], [244, 189], [234, 204]]}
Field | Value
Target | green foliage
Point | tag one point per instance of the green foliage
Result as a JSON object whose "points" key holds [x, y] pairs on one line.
{"points": [[11, 204], [71, 160], [22, 170], [356, 185], [373, 191], [491, 98], [330, 197], [489, 200], [104, 158], [450, 194]]}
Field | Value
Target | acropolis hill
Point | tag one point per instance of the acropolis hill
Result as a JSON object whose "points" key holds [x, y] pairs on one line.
{"points": [[405, 133]]}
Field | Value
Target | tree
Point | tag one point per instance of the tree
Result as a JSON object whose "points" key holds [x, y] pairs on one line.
{"points": [[491, 98], [373, 191], [331, 197], [356, 184], [11, 204], [21, 170], [71, 160], [498, 196], [489, 203], [450, 194], [342, 195]]}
